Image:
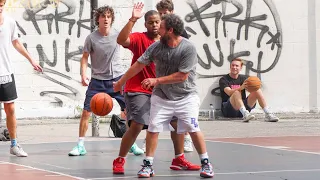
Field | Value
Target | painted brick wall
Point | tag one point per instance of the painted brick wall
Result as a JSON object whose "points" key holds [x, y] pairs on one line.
{"points": [[270, 36]]}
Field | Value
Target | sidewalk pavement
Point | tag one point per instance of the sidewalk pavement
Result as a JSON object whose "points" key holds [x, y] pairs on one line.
{"points": [[66, 130]]}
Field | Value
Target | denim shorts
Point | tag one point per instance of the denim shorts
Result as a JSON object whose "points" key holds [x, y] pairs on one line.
{"points": [[106, 86]]}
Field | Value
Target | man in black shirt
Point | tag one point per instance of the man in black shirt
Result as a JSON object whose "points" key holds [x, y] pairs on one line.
{"points": [[235, 103], [167, 7]]}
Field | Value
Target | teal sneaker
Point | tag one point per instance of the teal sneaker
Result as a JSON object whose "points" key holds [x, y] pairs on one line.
{"points": [[136, 150], [78, 151]]}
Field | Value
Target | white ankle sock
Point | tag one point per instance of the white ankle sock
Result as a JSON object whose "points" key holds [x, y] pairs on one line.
{"points": [[266, 110], [81, 141], [203, 156], [150, 159], [178, 155], [243, 110]]}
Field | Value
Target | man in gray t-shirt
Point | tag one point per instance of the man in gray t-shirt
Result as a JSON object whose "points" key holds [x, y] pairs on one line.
{"points": [[174, 91], [102, 47]]}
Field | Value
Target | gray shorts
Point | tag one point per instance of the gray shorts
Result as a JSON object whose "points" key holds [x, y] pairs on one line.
{"points": [[138, 107]]}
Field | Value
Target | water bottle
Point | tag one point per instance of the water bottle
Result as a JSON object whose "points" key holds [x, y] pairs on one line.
{"points": [[211, 113]]}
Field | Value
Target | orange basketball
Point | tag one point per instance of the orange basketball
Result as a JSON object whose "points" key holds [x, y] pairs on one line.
{"points": [[101, 104], [253, 84]]}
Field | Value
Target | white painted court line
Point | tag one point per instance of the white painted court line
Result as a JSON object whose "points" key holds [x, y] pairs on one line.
{"points": [[53, 172], [266, 147], [25, 169], [52, 175], [227, 173]]}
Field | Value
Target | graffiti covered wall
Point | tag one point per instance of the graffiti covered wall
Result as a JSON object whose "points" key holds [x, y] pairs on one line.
{"points": [[269, 36]]}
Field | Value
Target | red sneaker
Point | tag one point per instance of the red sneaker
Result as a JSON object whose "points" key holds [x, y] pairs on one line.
{"points": [[180, 163], [118, 165]]}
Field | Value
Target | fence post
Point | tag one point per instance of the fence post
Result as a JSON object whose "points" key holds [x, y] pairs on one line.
{"points": [[95, 119], [1, 121]]}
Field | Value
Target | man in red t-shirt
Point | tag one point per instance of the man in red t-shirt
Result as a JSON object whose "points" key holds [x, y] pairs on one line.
{"points": [[137, 99]]}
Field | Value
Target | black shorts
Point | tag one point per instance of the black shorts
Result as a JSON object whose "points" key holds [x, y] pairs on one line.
{"points": [[228, 110], [8, 91]]}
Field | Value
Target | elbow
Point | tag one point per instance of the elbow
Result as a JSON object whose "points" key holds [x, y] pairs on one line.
{"points": [[119, 40]]}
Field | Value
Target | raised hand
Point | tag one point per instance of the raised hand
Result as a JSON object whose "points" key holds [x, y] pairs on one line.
{"points": [[137, 10]]}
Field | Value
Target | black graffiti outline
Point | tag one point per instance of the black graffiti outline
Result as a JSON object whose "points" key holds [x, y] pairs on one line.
{"points": [[31, 14], [247, 22]]}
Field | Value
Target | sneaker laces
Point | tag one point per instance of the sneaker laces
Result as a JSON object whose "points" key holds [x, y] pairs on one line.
{"points": [[206, 167], [185, 162], [118, 162]]}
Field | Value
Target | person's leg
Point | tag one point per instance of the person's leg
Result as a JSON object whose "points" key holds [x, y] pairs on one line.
{"points": [[93, 88], [127, 142], [138, 113], [135, 103], [180, 162], [237, 104], [187, 113], [8, 94], [258, 95], [160, 116]]}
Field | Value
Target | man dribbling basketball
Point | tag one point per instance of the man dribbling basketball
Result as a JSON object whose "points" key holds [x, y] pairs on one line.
{"points": [[174, 93], [235, 103], [106, 68], [137, 98]]}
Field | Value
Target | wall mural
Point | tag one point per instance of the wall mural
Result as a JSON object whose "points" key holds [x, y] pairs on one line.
{"points": [[265, 41]]}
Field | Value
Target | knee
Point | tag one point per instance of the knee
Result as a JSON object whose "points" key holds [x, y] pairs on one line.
{"points": [[9, 109], [257, 93], [236, 94], [85, 114], [135, 128]]}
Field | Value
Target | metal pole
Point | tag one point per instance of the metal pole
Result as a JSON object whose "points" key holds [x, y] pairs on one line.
{"points": [[1, 121], [95, 119]]}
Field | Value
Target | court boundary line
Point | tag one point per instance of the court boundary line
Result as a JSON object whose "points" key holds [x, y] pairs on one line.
{"points": [[226, 173], [43, 170], [265, 147]]}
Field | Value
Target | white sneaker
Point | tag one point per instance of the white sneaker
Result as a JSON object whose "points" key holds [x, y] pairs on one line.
{"points": [[247, 116], [18, 151], [144, 146], [188, 144], [270, 117]]}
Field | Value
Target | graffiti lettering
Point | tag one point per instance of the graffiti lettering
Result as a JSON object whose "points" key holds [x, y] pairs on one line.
{"points": [[244, 25]]}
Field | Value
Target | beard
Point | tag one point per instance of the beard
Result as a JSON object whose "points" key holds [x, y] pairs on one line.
{"points": [[164, 39]]}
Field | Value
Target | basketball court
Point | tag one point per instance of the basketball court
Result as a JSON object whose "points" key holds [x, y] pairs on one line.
{"points": [[258, 158]]}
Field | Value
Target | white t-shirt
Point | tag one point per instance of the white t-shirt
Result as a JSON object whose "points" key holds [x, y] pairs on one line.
{"points": [[8, 33]]}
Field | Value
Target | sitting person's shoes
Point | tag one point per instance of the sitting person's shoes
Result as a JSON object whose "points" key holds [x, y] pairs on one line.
{"points": [[270, 117], [247, 116]]}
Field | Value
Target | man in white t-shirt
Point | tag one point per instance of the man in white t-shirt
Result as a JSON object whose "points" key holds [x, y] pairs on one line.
{"points": [[8, 93]]}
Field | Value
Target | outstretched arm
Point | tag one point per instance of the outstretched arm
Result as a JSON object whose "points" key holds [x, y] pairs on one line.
{"points": [[22, 50], [132, 71], [123, 37]]}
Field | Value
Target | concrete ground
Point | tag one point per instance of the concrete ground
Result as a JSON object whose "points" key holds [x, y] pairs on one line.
{"points": [[288, 149]]}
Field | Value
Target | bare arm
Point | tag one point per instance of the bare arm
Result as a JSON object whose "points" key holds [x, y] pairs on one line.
{"points": [[83, 68], [22, 50], [177, 77], [132, 71], [123, 37], [230, 91]]}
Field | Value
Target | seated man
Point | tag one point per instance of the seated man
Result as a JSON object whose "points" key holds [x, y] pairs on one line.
{"points": [[235, 103]]}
